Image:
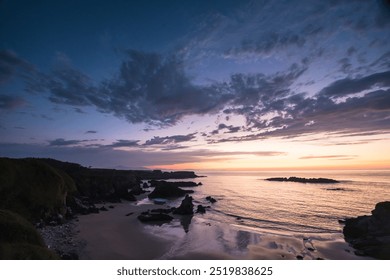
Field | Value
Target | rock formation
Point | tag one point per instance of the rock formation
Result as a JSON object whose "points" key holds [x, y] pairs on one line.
{"points": [[370, 235]]}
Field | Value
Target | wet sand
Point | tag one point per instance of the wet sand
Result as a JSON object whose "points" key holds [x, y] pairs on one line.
{"points": [[113, 235]]}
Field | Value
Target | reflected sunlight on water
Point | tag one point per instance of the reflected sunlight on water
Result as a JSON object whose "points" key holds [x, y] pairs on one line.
{"points": [[246, 199]]}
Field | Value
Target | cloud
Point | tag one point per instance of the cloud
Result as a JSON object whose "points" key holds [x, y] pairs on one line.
{"points": [[102, 156], [338, 157], [10, 102], [91, 132], [156, 140], [11, 64], [226, 128], [123, 143], [63, 142], [351, 86], [149, 88]]}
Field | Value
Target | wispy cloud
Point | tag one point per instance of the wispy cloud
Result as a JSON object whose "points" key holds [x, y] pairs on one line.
{"points": [[9, 102], [62, 142], [168, 140], [332, 157]]}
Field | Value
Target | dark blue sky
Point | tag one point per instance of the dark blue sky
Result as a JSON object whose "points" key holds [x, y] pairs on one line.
{"points": [[184, 84]]}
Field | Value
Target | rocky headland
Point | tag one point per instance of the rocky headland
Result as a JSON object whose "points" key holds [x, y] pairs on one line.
{"points": [[39, 198], [303, 180], [370, 235]]}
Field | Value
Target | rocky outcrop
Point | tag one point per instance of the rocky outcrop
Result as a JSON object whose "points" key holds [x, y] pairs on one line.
{"points": [[154, 217], [211, 199], [201, 209], [370, 235], [157, 183], [186, 207], [168, 191], [303, 180]]}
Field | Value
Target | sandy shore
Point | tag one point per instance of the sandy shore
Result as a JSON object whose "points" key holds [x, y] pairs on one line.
{"points": [[116, 235]]}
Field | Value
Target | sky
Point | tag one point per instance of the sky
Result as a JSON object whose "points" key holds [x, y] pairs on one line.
{"points": [[201, 85]]}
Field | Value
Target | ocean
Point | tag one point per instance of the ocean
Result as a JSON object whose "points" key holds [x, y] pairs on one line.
{"points": [[247, 199], [250, 208]]}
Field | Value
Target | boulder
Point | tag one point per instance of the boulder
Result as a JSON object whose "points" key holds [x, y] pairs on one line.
{"points": [[186, 207], [370, 235], [154, 217], [303, 180], [168, 192], [136, 190], [159, 183], [201, 209], [211, 199]]}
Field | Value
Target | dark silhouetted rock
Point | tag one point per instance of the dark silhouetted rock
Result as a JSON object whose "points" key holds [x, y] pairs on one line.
{"points": [[370, 235], [201, 209], [211, 199], [186, 207], [168, 192], [338, 189], [129, 197], [136, 190], [145, 185], [103, 208], [129, 214], [304, 180], [161, 183], [154, 217]]}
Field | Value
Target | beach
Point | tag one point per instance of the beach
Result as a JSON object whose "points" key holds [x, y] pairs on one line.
{"points": [[114, 235], [251, 218]]}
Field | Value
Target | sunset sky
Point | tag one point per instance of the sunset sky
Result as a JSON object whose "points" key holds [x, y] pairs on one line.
{"points": [[197, 84]]}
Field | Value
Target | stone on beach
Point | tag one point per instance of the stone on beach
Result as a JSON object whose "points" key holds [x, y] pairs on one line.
{"points": [[186, 207], [370, 235], [211, 199], [155, 217], [168, 192]]}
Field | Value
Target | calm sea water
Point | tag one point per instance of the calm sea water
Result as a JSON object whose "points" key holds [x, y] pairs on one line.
{"points": [[246, 199]]}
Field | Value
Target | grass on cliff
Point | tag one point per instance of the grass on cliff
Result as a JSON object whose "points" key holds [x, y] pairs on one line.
{"points": [[32, 188], [20, 240]]}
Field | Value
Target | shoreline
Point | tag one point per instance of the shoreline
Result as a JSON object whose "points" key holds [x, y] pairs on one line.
{"points": [[115, 235]]}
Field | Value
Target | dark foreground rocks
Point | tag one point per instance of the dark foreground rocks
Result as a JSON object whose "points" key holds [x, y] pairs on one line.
{"points": [[154, 217], [186, 207], [168, 191], [303, 180], [370, 235]]}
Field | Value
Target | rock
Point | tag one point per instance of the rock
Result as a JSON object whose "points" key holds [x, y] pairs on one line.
{"points": [[162, 183], [129, 197], [299, 257], [155, 217], [103, 208], [304, 180], [186, 207], [370, 234], [128, 214], [145, 185], [136, 190], [337, 189], [211, 199], [168, 192], [111, 206], [201, 209]]}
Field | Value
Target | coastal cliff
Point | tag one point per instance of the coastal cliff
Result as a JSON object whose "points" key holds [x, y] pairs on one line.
{"points": [[36, 192]]}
